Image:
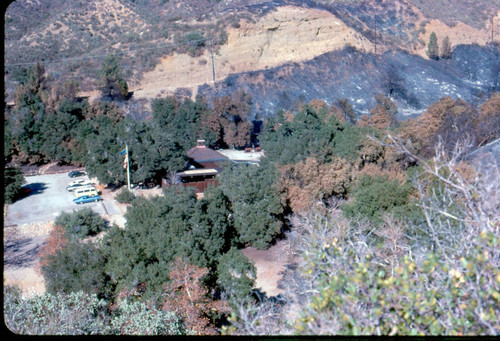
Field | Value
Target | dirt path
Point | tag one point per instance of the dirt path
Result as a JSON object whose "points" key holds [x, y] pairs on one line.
{"points": [[21, 247], [269, 264]]}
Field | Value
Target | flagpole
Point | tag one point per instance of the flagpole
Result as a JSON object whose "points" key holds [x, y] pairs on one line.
{"points": [[128, 166]]}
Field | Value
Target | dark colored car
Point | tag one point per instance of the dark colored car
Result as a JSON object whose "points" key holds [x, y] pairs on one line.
{"points": [[74, 174], [86, 199]]}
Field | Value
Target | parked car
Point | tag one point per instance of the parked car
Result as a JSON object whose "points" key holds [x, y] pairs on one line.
{"points": [[86, 191], [86, 199], [74, 174], [72, 187], [80, 181]]}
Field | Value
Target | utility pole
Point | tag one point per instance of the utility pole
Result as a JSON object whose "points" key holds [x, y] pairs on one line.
{"points": [[492, 28], [212, 54], [128, 166]]}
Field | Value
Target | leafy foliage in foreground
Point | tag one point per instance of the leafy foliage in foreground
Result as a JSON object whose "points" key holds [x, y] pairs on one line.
{"points": [[139, 318], [425, 297], [76, 313], [79, 313]]}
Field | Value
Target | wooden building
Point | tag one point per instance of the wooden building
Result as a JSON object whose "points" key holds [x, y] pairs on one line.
{"points": [[203, 166]]}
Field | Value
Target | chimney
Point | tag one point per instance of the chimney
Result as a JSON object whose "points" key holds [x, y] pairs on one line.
{"points": [[201, 143]]}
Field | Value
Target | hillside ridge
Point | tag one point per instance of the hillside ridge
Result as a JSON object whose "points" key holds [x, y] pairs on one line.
{"points": [[237, 37]]}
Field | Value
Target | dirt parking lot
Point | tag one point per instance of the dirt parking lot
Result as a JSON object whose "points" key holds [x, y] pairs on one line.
{"points": [[48, 197], [28, 222]]}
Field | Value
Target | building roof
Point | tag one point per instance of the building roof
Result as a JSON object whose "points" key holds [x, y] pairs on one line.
{"points": [[201, 154]]}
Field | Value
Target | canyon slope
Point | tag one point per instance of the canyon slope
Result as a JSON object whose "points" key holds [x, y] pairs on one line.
{"points": [[282, 52]]}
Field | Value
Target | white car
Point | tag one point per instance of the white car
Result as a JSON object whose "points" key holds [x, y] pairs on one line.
{"points": [[80, 182], [72, 187]]}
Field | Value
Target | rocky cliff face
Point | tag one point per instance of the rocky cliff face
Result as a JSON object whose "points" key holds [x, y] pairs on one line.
{"points": [[298, 50], [286, 34]]}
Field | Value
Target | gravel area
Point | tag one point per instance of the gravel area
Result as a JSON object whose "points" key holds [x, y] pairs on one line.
{"points": [[29, 221]]}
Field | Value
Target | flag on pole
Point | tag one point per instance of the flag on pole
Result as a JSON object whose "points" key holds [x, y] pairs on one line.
{"points": [[124, 152], [126, 164]]}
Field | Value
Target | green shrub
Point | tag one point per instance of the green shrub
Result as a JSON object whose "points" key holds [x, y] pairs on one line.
{"points": [[372, 196], [125, 196], [79, 313], [432, 296], [136, 318], [13, 180], [76, 313], [77, 267], [81, 224]]}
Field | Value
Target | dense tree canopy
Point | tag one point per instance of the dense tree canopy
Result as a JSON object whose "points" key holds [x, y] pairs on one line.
{"points": [[112, 81], [350, 186], [309, 133], [101, 135], [163, 228], [256, 205], [13, 179]]}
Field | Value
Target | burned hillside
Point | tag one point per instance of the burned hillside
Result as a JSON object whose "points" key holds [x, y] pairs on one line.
{"points": [[414, 83]]}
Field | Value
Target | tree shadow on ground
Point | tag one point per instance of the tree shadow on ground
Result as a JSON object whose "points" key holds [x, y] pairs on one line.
{"points": [[21, 252], [34, 188]]}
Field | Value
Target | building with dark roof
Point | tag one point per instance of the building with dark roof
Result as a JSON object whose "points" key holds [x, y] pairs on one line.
{"points": [[203, 166], [203, 157]]}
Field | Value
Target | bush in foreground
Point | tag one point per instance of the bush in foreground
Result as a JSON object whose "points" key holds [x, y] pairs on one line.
{"points": [[80, 313], [81, 224]]}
